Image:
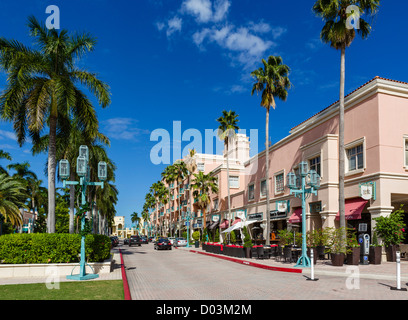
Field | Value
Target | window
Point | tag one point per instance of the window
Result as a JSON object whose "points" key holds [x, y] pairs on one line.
{"points": [[314, 164], [263, 188], [200, 166], [279, 183], [406, 151], [234, 181], [251, 192], [215, 204], [355, 157]]}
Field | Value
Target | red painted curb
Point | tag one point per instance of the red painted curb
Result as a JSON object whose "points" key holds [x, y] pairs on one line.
{"points": [[252, 264], [124, 279]]}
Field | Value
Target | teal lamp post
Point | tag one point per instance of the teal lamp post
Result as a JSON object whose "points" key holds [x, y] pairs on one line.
{"points": [[83, 172], [302, 186], [187, 217]]}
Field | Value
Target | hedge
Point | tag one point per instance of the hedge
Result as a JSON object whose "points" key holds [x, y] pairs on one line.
{"points": [[25, 248]]}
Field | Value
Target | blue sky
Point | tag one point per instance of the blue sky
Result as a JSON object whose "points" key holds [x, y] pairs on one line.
{"points": [[187, 60]]}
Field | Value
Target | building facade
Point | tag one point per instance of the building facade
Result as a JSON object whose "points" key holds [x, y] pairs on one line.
{"points": [[376, 181]]}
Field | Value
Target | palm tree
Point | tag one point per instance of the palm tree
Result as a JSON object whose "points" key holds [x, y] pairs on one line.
{"points": [[169, 176], [180, 174], [12, 198], [191, 166], [43, 88], [339, 36], [227, 129], [204, 185], [134, 217], [273, 81], [4, 155]]}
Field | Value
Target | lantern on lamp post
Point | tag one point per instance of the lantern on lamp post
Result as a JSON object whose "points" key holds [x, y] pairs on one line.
{"points": [[302, 186], [83, 170]]}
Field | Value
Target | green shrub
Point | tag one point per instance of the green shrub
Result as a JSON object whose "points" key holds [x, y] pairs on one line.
{"points": [[27, 248]]}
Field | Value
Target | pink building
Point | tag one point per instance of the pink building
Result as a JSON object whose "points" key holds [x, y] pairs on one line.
{"points": [[376, 142]]}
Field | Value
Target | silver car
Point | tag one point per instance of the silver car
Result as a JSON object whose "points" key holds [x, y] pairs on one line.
{"points": [[180, 242], [172, 240]]}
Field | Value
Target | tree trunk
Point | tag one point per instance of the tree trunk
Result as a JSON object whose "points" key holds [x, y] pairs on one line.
{"points": [[268, 227], [228, 180], [341, 141], [51, 174], [71, 204]]}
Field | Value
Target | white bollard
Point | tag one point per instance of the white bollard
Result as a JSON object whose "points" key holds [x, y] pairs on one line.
{"points": [[312, 278], [398, 260]]}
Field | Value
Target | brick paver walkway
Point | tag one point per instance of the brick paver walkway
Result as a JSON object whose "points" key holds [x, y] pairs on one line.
{"points": [[182, 274]]}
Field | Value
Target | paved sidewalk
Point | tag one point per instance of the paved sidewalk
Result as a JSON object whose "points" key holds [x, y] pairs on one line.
{"points": [[384, 271], [114, 275]]}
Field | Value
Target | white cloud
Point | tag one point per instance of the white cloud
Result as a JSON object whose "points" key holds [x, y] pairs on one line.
{"points": [[122, 128], [243, 46], [174, 25], [205, 11], [8, 135], [171, 26]]}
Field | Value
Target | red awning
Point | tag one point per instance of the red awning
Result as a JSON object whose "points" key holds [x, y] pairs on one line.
{"points": [[236, 221], [225, 224], [296, 216], [353, 209]]}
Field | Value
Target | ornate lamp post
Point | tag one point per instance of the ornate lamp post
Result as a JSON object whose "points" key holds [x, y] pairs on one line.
{"points": [[83, 171], [187, 217], [302, 188]]}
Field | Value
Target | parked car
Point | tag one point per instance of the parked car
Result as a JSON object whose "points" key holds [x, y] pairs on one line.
{"points": [[162, 243], [135, 240], [172, 240], [180, 242], [114, 241], [151, 239], [126, 241], [144, 240]]}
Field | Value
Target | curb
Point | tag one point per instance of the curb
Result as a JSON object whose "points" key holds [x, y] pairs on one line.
{"points": [[124, 278], [247, 263]]}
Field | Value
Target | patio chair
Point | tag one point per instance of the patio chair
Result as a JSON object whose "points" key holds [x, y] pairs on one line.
{"points": [[260, 252], [287, 254], [278, 253]]}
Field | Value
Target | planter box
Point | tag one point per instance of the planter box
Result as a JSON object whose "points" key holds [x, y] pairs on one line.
{"points": [[47, 269], [353, 258], [337, 259], [375, 255], [391, 252]]}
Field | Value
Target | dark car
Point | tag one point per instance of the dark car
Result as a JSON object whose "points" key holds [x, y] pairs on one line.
{"points": [[135, 240], [144, 240], [162, 243], [114, 241]]}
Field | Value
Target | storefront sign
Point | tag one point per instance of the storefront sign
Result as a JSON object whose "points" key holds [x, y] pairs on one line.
{"points": [[282, 206], [255, 216], [275, 215], [368, 190]]}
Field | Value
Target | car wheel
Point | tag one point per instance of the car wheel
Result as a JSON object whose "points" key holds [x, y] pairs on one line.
{"points": [[170, 248], [139, 244]]}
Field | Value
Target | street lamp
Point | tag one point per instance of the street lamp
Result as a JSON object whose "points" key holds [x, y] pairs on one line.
{"points": [[187, 217], [302, 189], [83, 172]]}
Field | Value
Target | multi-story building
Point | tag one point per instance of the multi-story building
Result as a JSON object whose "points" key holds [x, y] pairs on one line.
{"points": [[376, 156]]}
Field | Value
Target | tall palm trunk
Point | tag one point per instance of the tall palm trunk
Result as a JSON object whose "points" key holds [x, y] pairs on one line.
{"points": [[71, 204], [341, 140], [228, 180], [179, 208], [51, 173], [268, 227]]}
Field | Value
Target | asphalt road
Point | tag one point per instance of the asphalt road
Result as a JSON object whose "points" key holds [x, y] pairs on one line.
{"points": [[181, 275]]}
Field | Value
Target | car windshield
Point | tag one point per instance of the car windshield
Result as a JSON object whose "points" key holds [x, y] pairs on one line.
{"points": [[163, 240], [180, 239]]}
